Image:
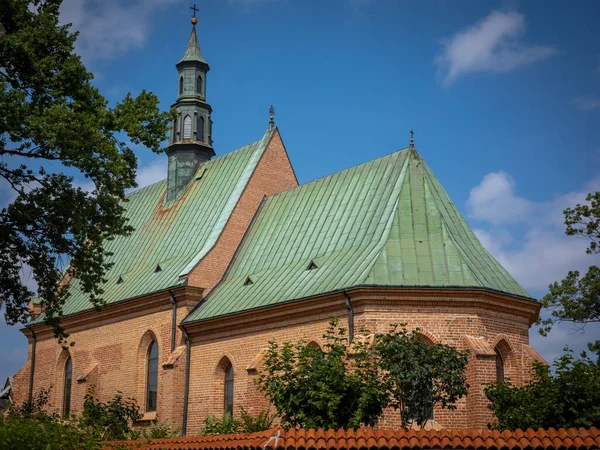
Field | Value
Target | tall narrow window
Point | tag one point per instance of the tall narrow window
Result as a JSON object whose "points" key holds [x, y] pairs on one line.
{"points": [[175, 130], [152, 378], [199, 85], [187, 128], [66, 407], [499, 365], [228, 400], [201, 128], [180, 85]]}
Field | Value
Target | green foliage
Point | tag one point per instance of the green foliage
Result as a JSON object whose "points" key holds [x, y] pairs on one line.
{"points": [[52, 116], [350, 385], [225, 424], [420, 376], [157, 430], [261, 422], [337, 387], [577, 299], [30, 427], [567, 397], [110, 420], [246, 423], [584, 220]]}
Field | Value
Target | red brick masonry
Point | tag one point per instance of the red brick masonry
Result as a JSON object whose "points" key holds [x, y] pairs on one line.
{"points": [[369, 439]]}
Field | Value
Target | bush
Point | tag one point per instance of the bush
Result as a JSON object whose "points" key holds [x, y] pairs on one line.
{"points": [[337, 387], [30, 427], [111, 420], [568, 397], [350, 385], [226, 424], [158, 430]]}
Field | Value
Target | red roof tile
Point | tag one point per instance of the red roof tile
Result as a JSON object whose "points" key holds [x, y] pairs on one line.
{"points": [[369, 439]]}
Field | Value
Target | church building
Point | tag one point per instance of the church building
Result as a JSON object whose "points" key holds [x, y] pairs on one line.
{"points": [[229, 252]]}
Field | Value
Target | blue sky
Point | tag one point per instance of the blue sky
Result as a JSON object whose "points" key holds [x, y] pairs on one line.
{"points": [[504, 98]]}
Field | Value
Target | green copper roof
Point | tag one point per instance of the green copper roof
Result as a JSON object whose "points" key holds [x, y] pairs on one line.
{"points": [[171, 238], [387, 222], [192, 52]]}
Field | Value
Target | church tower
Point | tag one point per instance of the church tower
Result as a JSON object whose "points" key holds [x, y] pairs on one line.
{"points": [[190, 143]]}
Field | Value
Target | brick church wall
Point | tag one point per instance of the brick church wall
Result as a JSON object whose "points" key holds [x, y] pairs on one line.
{"points": [[241, 345]]}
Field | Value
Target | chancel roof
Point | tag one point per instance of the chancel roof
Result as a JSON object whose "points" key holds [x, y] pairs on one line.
{"points": [[387, 222]]}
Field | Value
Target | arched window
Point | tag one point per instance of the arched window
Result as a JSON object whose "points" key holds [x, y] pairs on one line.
{"points": [[499, 365], [187, 128], [200, 128], [199, 85], [66, 407], [175, 130], [228, 392], [180, 85], [152, 377]]}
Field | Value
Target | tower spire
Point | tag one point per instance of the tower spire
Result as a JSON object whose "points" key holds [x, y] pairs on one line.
{"points": [[190, 143]]}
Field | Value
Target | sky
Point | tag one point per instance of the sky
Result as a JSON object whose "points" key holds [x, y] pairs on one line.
{"points": [[503, 96]]}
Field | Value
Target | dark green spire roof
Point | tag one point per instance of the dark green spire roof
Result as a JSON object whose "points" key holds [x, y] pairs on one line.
{"points": [[192, 52]]}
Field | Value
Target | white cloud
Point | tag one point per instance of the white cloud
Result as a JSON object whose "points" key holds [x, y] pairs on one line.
{"points": [[544, 253], [528, 239], [494, 200], [109, 28], [551, 346], [151, 173], [586, 103], [491, 45]]}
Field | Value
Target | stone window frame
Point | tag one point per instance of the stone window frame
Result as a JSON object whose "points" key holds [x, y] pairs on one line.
{"points": [[141, 381], [505, 349], [220, 386], [67, 387], [59, 378]]}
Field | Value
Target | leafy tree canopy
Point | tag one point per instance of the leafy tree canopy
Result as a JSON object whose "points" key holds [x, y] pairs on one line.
{"points": [[566, 397], [350, 385], [337, 387], [51, 114], [420, 375], [577, 298]]}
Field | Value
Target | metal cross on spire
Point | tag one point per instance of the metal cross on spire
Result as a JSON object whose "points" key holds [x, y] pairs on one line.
{"points": [[193, 8], [271, 117], [412, 138]]}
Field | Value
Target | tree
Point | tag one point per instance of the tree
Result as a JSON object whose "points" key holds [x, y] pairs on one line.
{"points": [[567, 397], [419, 375], [337, 387], [52, 117], [577, 299], [350, 385]]}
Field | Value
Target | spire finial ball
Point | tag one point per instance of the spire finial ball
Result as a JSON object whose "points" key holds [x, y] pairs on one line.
{"points": [[194, 20]]}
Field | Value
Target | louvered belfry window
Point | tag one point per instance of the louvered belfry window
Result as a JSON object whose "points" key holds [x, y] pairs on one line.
{"points": [[187, 128], [201, 128], [199, 85], [180, 85], [175, 130]]}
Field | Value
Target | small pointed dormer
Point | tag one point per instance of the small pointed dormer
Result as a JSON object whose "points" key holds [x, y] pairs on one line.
{"points": [[190, 142]]}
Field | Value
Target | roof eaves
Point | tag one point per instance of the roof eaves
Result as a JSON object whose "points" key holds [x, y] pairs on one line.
{"points": [[347, 288]]}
